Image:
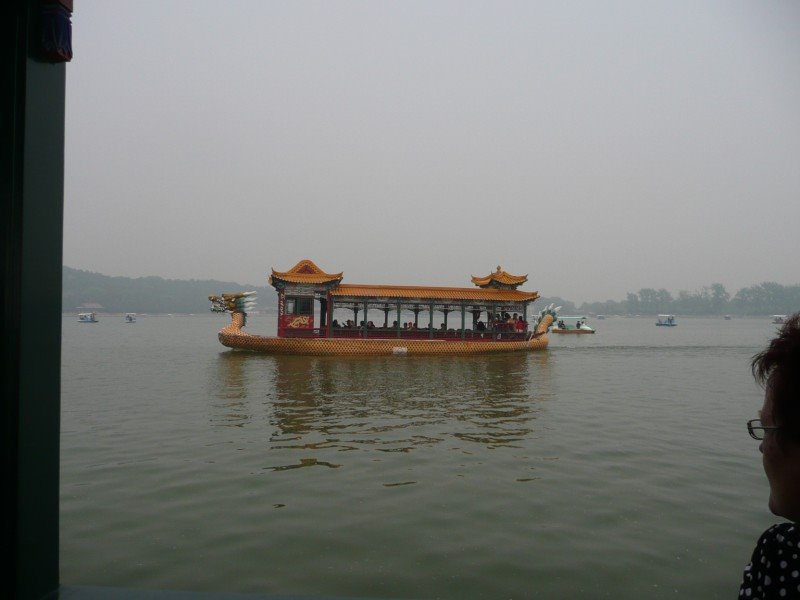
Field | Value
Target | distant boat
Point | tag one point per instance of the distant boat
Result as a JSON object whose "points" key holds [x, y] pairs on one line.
{"points": [[130, 317], [600, 317], [727, 317], [666, 321], [87, 317], [779, 319]]}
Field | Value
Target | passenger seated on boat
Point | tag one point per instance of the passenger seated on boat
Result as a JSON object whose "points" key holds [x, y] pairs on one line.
{"points": [[442, 327], [481, 326], [370, 325], [394, 324], [519, 325], [335, 323]]}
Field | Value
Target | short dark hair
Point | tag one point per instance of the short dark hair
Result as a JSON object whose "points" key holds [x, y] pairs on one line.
{"points": [[777, 367]]}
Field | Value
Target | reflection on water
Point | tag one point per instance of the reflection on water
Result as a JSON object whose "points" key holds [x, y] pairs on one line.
{"points": [[383, 404]]}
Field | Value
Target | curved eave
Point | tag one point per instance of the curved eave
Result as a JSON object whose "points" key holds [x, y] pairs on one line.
{"points": [[502, 278], [305, 278], [305, 271]]}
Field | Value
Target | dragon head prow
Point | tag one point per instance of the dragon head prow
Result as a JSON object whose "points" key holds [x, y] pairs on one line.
{"points": [[233, 302], [236, 303], [545, 318]]}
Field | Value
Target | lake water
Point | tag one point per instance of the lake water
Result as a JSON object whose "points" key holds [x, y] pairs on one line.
{"points": [[609, 466]]}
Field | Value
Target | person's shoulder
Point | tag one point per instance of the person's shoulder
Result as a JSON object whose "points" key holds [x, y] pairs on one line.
{"points": [[774, 568], [781, 535]]}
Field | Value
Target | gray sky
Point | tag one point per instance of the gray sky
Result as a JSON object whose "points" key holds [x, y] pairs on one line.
{"points": [[599, 147]]}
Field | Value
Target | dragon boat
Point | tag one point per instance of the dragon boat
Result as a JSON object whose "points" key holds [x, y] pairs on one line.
{"points": [[491, 317]]}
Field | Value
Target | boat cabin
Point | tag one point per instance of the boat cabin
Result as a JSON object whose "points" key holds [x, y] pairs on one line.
{"points": [[313, 303], [666, 321], [87, 317], [130, 317]]}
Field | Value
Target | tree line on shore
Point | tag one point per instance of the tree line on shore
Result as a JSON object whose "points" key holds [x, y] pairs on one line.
{"points": [[768, 298], [83, 289]]}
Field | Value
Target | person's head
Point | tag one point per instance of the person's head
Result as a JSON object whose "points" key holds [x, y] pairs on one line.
{"points": [[777, 368]]}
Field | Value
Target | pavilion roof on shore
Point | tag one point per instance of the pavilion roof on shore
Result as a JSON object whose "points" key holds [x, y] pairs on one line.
{"points": [[448, 294]]}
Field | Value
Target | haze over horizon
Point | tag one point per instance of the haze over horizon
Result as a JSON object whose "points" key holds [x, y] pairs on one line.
{"points": [[599, 148]]}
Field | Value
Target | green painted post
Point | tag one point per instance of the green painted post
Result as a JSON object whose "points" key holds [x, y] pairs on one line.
{"points": [[31, 222], [366, 316], [463, 321], [430, 323], [398, 319]]}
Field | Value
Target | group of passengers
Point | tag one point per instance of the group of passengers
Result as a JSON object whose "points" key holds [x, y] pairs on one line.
{"points": [[507, 322], [500, 322], [351, 324]]}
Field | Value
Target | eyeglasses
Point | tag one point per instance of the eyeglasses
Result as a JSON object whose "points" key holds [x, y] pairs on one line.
{"points": [[756, 429]]}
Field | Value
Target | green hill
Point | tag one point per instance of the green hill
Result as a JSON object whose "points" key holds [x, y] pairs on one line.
{"points": [[148, 294]]}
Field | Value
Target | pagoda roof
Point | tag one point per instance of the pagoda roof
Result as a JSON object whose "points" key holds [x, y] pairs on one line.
{"points": [[499, 277], [305, 272], [446, 294]]}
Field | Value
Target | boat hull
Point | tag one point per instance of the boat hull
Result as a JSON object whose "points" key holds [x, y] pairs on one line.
{"points": [[565, 331], [374, 347]]}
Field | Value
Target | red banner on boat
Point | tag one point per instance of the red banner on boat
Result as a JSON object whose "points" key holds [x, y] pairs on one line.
{"points": [[297, 322]]}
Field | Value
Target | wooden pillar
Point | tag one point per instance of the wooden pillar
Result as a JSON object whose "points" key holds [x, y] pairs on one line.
{"points": [[330, 315], [463, 321], [366, 316], [416, 316], [430, 323], [398, 319], [385, 316]]}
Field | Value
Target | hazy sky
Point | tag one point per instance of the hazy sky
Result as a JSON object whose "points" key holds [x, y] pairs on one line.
{"points": [[599, 147]]}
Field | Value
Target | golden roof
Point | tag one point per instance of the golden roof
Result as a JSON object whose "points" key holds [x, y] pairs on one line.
{"points": [[413, 292], [500, 277], [305, 272]]}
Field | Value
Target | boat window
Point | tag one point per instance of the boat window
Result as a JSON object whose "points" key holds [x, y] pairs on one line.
{"points": [[299, 306]]}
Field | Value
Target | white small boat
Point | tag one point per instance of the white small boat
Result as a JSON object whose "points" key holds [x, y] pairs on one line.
{"points": [[727, 317], [779, 319], [666, 321], [130, 317], [600, 317], [87, 317], [571, 325]]}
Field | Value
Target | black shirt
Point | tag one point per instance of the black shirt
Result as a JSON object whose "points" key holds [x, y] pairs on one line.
{"points": [[774, 568]]}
